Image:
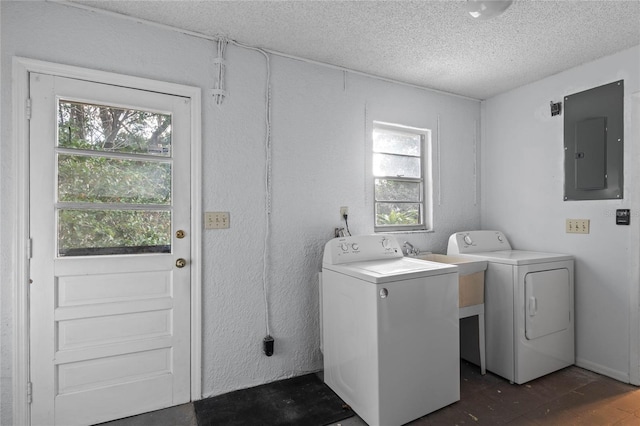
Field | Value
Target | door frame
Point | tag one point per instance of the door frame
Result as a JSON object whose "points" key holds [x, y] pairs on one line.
{"points": [[21, 332], [634, 252]]}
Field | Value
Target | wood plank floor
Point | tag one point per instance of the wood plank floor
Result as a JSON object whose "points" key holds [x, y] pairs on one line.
{"points": [[572, 396]]}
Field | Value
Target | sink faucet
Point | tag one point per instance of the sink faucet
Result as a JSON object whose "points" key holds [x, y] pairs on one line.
{"points": [[411, 250]]}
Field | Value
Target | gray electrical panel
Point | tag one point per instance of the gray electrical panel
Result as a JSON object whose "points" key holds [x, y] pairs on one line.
{"points": [[594, 143]]}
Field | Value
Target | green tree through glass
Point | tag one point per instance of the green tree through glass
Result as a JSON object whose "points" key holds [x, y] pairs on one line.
{"points": [[133, 179]]}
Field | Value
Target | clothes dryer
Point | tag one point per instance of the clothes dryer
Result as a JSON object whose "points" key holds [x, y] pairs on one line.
{"points": [[390, 330], [529, 306]]}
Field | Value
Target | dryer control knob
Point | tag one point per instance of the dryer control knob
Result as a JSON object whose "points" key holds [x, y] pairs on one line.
{"points": [[355, 246], [385, 243], [468, 240], [500, 238], [344, 247]]}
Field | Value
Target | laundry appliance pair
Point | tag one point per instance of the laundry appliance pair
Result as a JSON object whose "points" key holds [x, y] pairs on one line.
{"points": [[529, 306]]}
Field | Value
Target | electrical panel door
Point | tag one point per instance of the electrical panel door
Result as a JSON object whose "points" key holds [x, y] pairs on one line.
{"points": [[594, 143]]}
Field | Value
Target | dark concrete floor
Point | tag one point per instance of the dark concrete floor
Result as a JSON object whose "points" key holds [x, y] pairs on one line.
{"points": [[572, 396]]}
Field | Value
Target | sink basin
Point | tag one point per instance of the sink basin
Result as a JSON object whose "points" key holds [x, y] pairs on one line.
{"points": [[465, 265], [471, 276]]}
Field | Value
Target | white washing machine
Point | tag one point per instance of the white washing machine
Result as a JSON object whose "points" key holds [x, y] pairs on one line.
{"points": [[529, 316], [390, 330]]}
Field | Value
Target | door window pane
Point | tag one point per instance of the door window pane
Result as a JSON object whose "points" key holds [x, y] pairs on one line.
{"points": [[102, 232], [112, 129], [114, 176], [85, 179]]}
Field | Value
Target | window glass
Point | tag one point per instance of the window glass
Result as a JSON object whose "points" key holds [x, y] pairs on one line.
{"points": [[396, 165], [395, 190], [89, 179], [100, 232], [107, 128], [394, 214], [114, 176], [396, 142]]}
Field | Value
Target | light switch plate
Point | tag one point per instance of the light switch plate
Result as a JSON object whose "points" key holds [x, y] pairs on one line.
{"points": [[216, 220], [577, 226]]}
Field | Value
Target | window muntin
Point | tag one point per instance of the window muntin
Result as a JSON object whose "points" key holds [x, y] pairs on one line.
{"points": [[399, 177]]}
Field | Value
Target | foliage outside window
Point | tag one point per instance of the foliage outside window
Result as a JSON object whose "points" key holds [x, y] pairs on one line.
{"points": [[114, 179], [399, 177]]}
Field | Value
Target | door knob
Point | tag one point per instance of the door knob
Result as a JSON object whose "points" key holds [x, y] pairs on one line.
{"points": [[181, 263]]}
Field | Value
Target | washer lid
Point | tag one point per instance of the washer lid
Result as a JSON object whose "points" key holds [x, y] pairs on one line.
{"points": [[383, 271], [519, 257]]}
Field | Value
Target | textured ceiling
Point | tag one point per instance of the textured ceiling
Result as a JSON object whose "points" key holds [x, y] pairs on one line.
{"points": [[433, 44]]}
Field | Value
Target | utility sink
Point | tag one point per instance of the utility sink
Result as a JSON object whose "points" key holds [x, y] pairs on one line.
{"points": [[471, 276], [466, 266]]}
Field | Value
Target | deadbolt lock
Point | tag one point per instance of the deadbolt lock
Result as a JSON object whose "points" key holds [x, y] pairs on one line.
{"points": [[181, 263], [180, 233]]}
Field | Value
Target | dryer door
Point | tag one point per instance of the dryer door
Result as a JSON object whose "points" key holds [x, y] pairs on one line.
{"points": [[547, 302]]}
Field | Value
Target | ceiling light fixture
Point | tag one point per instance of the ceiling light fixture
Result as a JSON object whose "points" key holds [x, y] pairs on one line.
{"points": [[487, 9]]}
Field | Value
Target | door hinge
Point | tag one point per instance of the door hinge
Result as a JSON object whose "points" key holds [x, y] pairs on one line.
{"points": [[29, 392], [29, 248], [28, 108]]}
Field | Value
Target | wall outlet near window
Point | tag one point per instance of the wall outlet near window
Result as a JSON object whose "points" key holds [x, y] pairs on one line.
{"points": [[216, 220], [577, 226]]}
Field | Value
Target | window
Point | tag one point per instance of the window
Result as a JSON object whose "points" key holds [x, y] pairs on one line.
{"points": [[114, 180], [399, 165]]}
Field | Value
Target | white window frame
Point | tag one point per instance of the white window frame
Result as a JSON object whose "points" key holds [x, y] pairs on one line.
{"points": [[424, 180]]}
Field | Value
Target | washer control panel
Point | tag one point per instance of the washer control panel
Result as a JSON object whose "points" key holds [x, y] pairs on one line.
{"points": [[361, 248], [477, 241]]}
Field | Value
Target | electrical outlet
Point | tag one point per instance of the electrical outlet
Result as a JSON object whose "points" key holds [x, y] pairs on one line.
{"points": [[577, 226], [216, 220], [344, 211]]}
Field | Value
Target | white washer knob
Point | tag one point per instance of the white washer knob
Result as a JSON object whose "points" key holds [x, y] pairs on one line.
{"points": [[500, 238], [468, 240], [385, 243], [355, 246], [344, 246]]}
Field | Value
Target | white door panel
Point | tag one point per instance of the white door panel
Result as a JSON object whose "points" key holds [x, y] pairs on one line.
{"points": [[110, 325], [84, 408]]}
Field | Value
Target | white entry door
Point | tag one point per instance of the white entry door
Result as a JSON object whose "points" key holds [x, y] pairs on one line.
{"points": [[110, 228]]}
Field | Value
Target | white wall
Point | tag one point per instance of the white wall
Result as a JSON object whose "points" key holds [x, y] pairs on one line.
{"points": [[522, 195], [4, 384], [319, 154]]}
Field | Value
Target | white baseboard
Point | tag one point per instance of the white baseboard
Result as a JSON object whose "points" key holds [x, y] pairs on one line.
{"points": [[621, 376]]}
